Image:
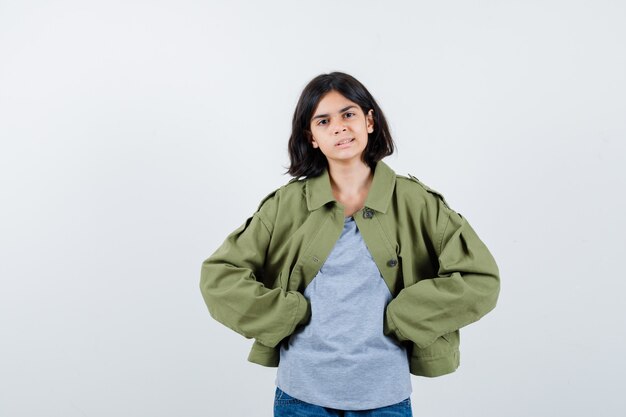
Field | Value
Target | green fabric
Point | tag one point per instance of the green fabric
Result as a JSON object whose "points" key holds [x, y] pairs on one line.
{"points": [[441, 275]]}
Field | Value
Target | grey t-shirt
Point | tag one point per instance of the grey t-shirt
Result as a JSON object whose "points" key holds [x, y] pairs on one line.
{"points": [[341, 359]]}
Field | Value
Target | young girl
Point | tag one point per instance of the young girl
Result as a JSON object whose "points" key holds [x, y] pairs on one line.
{"points": [[349, 277]]}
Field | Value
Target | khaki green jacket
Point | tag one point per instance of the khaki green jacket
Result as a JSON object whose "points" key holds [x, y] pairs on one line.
{"points": [[441, 275]]}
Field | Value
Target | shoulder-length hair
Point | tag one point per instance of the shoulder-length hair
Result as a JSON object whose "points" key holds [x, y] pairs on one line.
{"points": [[311, 162]]}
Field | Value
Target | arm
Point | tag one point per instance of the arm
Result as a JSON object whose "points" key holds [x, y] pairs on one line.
{"points": [[237, 299], [465, 289]]}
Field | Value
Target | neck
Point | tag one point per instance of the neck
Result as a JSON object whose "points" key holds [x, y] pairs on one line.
{"points": [[350, 180]]}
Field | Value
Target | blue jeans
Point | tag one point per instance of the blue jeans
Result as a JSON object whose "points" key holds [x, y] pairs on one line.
{"points": [[287, 406]]}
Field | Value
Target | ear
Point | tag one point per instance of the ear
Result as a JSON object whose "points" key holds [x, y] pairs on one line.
{"points": [[311, 139], [370, 121]]}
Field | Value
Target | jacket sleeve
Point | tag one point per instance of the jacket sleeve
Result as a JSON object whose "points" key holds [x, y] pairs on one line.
{"points": [[465, 289], [238, 299]]}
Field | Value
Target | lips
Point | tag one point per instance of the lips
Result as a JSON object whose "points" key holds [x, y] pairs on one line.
{"points": [[344, 141]]}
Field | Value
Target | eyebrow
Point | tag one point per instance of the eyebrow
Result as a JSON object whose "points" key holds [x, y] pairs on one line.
{"points": [[321, 116]]}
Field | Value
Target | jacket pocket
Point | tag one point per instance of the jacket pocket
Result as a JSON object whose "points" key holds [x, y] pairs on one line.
{"points": [[442, 346], [453, 338], [440, 358]]}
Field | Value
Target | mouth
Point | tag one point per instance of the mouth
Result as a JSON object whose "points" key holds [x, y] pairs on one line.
{"points": [[344, 141]]}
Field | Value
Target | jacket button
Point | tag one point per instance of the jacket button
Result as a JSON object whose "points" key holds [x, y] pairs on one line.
{"points": [[392, 263], [367, 213]]}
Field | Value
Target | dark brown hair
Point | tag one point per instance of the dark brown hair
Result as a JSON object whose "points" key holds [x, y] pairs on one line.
{"points": [[311, 162]]}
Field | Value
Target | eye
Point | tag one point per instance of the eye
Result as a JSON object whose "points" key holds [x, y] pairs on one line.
{"points": [[321, 122], [350, 114]]}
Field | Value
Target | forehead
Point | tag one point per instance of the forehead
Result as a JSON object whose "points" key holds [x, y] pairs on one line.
{"points": [[333, 102]]}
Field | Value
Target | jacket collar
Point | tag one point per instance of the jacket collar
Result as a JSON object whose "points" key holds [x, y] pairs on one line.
{"points": [[318, 191]]}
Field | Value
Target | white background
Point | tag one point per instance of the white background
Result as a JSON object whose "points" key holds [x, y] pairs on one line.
{"points": [[135, 135]]}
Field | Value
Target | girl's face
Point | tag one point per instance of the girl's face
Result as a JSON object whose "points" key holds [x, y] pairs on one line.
{"points": [[340, 128]]}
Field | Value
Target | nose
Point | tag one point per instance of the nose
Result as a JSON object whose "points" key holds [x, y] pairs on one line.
{"points": [[338, 126]]}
